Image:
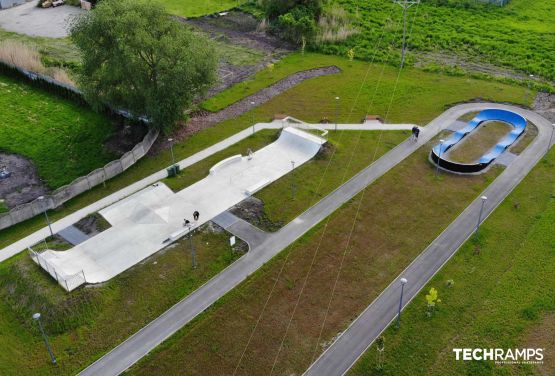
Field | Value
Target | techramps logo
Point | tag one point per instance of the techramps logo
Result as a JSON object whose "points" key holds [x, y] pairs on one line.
{"points": [[501, 356]]}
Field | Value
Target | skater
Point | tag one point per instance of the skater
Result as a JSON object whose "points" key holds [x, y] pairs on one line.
{"points": [[416, 133], [186, 222], [196, 214], [413, 137]]}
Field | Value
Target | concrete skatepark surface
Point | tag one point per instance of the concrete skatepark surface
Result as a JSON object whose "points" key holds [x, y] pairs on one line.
{"points": [[149, 220], [38, 22]]}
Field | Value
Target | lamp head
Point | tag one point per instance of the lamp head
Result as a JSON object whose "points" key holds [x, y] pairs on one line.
{"points": [[404, 281]]}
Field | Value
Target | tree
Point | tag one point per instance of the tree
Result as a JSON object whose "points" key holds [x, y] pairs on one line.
{"points": [[432, 299], [136, 57]]}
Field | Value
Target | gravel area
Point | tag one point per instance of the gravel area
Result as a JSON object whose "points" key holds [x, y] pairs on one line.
{"points": [[544, 104]]}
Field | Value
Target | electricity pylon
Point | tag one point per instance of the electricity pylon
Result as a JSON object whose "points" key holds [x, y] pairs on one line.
{"points": [[405, 4]]}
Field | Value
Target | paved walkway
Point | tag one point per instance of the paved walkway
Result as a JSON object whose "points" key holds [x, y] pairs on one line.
{"points": [[348, 347], [74, 217], [252, 235], [148, 338]]}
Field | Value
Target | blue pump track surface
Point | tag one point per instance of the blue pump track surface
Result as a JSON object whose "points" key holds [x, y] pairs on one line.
{"points": [[515, 120]]}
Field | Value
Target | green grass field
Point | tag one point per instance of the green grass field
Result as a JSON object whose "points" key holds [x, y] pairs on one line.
{"points": [[519, 36], [62, 139], [195, 8], [501, 295]]}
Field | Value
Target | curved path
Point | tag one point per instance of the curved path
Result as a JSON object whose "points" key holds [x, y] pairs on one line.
{"points": [[346, 350], [358, 337]]}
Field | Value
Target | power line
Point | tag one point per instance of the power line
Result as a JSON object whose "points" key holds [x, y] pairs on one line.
{"points": [[315, 196]]}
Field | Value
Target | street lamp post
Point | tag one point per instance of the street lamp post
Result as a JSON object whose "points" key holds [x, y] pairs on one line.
{"points": [[41, 198], [530, 87], [403, 283], [293, 179], [439, 156], [484, 199], [252, 112], [170, 140], [192, 245], [550, 139], [36, 317], [336, 112]]}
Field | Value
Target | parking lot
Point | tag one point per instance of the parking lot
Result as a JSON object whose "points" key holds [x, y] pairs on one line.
{"points": [[31, 20]]}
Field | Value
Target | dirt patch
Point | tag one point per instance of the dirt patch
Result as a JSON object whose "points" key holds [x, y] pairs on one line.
{"points": [[542, 335], [24, 184], [93, 224], [252, 211], [239, 29], [125, 138]]}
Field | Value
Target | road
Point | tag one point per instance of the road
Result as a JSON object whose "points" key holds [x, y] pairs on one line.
{"points": [[358, 337]]}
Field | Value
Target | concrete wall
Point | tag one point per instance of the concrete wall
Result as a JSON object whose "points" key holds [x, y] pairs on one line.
{"points": [[79, 185]]}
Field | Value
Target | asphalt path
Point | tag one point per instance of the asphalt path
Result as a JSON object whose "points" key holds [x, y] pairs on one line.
{"points": [[353, 342]]}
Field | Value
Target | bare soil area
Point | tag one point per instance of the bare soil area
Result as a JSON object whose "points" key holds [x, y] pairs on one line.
{"points": [[252, 211], [239, 29], [24, 184]]}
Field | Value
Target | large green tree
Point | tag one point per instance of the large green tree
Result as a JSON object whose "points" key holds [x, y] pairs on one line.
{"points": [[137, 57]]}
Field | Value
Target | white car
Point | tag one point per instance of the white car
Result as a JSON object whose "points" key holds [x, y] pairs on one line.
{"points": [[56, 3]]}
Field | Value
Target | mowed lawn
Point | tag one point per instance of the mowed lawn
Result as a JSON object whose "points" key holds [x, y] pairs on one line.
{"points": [[196, 8], [63, 140], [502, 296]]}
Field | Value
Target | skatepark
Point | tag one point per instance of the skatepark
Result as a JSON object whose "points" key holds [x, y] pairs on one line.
{"points": [[157, 207], [154, 217]]}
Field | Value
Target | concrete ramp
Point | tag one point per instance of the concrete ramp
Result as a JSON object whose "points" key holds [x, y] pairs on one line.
{"points": [[143, 223]]}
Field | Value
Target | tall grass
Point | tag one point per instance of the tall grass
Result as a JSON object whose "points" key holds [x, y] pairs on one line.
{"points": [[18, 54], [24, 56], [335, 25]]}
